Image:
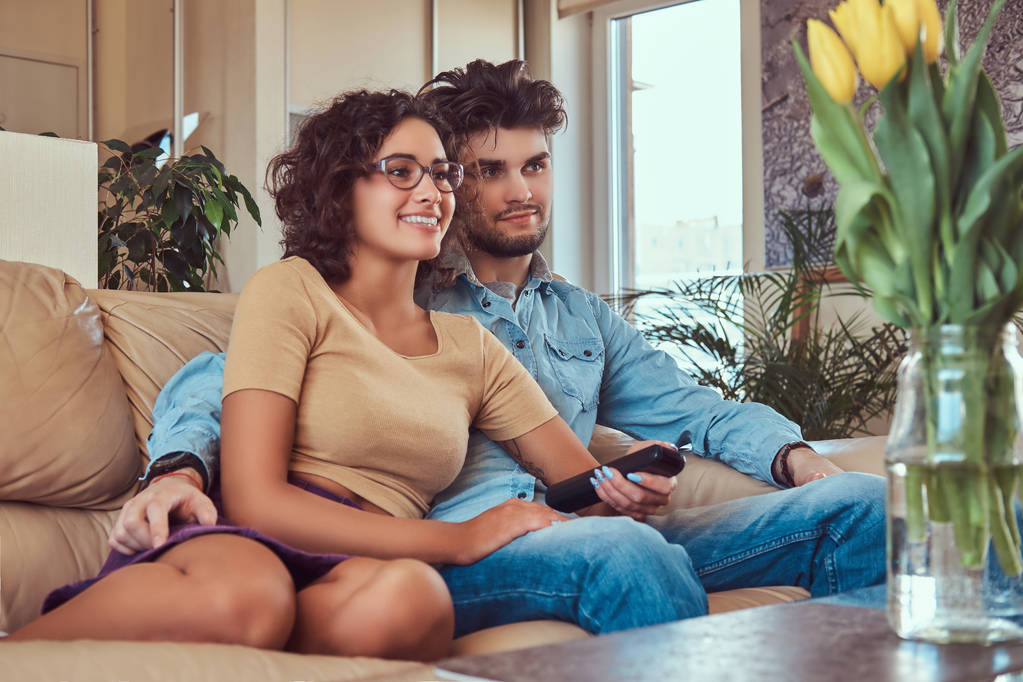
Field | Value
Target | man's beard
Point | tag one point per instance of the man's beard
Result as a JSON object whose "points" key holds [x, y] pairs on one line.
{"points": [[480, 233]]}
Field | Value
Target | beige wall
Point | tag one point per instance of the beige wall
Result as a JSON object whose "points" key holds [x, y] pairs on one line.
{"points": [[235, 73], [43, 60], [134, 68], [337, 46], [469, 29]]}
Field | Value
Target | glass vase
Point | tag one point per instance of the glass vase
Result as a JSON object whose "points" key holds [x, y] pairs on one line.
{"points": [[953, 460]]}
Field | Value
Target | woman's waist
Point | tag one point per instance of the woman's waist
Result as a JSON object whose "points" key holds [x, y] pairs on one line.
{"points": [[336, 488]]}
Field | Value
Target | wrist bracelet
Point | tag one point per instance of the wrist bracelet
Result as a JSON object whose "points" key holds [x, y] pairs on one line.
{"points": [[786, 474], [191, 478]]}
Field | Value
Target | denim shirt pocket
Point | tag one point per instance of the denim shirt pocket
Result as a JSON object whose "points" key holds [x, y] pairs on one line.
{"points": [[579, 367]]}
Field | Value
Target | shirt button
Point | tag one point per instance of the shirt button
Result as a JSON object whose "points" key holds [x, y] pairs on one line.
{"points": [[522, 496], [520, 344], [486, 304], [587, 353], [527, 293]]}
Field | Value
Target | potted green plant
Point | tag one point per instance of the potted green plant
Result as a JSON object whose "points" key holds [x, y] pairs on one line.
{"points": [[758, 337], [159, 221]]}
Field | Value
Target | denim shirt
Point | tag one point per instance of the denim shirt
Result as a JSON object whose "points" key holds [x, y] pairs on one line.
{"points": [[594, 367]]}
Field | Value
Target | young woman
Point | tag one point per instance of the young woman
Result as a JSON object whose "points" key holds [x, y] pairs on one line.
{"points": [[346, 408]]}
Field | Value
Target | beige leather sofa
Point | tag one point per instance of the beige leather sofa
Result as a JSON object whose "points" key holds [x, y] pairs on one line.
{"points": [[79, 372]]}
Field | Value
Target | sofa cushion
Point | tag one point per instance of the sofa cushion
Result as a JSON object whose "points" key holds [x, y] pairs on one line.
{"points": [[152, 335], [67, 435], [43, 549], [86, 660]]}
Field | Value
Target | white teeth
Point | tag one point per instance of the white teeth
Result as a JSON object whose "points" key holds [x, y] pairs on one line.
{"points": [[421, 219]]}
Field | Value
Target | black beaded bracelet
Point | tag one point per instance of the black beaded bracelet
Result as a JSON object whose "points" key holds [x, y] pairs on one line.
{"points": [[784, 455], [177, 460]]}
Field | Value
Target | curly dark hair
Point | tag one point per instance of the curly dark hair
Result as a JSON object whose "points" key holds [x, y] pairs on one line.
{"points": [[312, 182], [483, 96]]}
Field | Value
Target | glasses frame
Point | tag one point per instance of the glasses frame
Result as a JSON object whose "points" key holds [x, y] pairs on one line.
{"points": [[381, 166]]}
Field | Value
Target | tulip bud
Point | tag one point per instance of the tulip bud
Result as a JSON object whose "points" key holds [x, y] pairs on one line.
{"points": [[843, 20], [907, 21], [933, 38], [856, 21], [880, 54], [831, 61]]}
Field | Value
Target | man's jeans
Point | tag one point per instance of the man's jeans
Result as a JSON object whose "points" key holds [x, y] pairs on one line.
{"points": [[610, 574]]}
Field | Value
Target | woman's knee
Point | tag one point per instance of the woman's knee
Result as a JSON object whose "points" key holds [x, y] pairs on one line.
{"points": [[401, 610], [244, 592]]}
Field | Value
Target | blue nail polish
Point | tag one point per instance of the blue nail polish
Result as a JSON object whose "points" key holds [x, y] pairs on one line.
{"points": [[635, 478], [608, 472], [599, 474], [595, 482]]}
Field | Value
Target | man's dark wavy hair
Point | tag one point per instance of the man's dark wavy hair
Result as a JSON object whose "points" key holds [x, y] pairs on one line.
{"points": [[312, 182], [483, 96]]}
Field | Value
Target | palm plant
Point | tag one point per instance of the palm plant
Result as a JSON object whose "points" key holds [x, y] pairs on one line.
{"points": [[758, 337]]}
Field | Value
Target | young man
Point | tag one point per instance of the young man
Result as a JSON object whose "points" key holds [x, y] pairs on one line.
{"points": [[602, 573]]}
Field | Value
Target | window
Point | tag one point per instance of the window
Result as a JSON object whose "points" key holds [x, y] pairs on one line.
{"points": [[674, 121], [669, 103]]}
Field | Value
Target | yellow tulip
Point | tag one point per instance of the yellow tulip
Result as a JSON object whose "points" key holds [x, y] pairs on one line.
{"points": [[831, 61], [883, 57], [856, 21], [843, 20], [933, 37], [907, 21], [871, 33]]}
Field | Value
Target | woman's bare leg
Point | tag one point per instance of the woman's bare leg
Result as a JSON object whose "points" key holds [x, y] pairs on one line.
{"points": [[368, 607], [212, 588]]}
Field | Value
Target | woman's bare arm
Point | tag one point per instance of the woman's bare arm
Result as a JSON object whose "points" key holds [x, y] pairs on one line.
{"points": [[258, 429]]}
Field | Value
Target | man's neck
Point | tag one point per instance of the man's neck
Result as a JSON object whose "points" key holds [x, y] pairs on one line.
{"points": [[490, 268]]}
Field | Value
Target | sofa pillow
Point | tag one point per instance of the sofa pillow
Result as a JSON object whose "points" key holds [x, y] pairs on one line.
{"points": [[45, 548], [67, 434], [152, 335]]}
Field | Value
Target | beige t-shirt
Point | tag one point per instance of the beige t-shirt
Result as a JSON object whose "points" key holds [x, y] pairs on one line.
{"points": [[390, 428]]}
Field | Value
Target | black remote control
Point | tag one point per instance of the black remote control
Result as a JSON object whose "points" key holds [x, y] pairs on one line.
{"points": [[577, 492]]}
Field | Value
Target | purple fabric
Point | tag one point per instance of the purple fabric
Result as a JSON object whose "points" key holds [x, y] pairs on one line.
{"points": [[304, 567]]}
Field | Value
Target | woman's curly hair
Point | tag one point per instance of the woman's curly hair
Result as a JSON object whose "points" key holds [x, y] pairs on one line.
{"points": [[312, 182]]}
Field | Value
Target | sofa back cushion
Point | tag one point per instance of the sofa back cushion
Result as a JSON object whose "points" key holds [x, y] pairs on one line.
{"points": [[152, 335], [67, 433]]}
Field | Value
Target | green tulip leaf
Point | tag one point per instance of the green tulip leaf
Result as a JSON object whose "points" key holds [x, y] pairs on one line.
{"points": [[980, 158], [989, 106], [837, 131], [958, 104], [952, 33]]}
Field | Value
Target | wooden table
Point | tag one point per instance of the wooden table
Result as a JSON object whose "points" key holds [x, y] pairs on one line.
{"points": [[806, 640]]}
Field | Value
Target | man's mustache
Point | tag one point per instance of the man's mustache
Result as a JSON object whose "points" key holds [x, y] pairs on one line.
{"points": [[519, 208]]}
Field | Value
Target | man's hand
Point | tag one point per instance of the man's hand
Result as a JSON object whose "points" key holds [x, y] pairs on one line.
{"points": [[642, 495], [144, 520], [806, 465]]}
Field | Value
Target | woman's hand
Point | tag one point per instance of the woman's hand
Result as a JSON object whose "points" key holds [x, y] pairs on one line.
{"points": [[497, 526], [639, 495]]}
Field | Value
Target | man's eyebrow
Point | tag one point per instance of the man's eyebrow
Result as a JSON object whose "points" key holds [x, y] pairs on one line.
{"points": [[542, 156], [490, 162]]}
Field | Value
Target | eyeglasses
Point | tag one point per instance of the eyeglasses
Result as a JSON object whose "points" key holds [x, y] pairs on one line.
{"points": [[406, 173]]}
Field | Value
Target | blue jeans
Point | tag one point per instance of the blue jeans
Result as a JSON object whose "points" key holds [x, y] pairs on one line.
{"points": [[607, 574]]}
